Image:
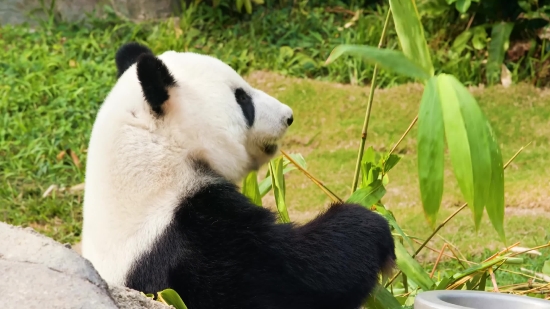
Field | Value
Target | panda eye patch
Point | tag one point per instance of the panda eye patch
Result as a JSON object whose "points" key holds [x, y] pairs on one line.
{"points": [[246, 104]]}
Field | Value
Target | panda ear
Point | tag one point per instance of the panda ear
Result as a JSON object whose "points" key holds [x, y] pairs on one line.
{"points": [[128, 54], [155, 80]]}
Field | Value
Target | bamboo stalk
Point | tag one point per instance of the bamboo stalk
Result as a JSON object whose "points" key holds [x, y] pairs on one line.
{"points": [[316, 181], [369, 108]]}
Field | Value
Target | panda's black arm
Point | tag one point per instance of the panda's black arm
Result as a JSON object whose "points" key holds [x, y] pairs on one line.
{"points": [[331, 262]]}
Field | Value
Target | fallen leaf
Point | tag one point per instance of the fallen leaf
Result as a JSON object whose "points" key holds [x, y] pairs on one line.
{"points": [[61, 155], [505, 77], [76, 161], [49, 191]]}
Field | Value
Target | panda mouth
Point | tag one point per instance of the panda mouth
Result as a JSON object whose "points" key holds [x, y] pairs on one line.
{"points": [[270, 148]]}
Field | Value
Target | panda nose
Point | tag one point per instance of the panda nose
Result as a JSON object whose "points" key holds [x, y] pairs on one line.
{"points": [[289, 120]]}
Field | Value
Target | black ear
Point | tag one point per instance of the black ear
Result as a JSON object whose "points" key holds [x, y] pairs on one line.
{"points": [[128, 54], [155, 81]]}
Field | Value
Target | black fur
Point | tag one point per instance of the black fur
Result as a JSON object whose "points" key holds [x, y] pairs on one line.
{"points": [[222, 251], [247, 106], [128, 54], [155, 79]]}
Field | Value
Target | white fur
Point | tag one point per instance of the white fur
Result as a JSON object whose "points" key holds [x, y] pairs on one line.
{"points": [[138, 166]]}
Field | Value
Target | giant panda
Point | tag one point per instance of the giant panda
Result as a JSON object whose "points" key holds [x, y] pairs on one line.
{"points": [[162, 208]]}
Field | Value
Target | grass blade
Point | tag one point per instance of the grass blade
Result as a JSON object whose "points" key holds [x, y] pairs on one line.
{"points": [[500, 39], [412, 268], [431, 146], [411, 33], [368, 195], [390, 59], [251, 188], [278, 181]]}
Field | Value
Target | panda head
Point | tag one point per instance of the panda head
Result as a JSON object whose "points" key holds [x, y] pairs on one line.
{"points": [[193, 107]]}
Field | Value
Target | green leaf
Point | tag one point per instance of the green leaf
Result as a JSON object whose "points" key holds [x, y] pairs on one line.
{"points": [[251, 189], [265, 185], [381, 298], [412, 268], [148, 295], [474, 281], [479, 41], [411, 33], [390, 59], [171, 298], [463, 5], [393, 222], [239, 4], [457, 139], [278, 181], [248, 6], [495, 200], [466, 129], [431, 146], [546, 267], [390, 161], [482, 282], [369, 155], [480, 267], [461, 41], [368, 195], [442, 285], [370, 173], [500, 40]]}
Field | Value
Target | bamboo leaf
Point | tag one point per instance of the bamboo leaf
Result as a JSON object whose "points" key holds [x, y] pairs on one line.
{"points": [[393, 222], [481, 267], [368, 195], [463, 5], [495, 200], [239, 4], [389, 161], [251, 189], [381, 298], [248, 6], [482, 282], [431, 146], [390, 59], [171, 298], [477, 128], [466, 131], [500, 40], [265, 184], [411, 33], [278, 181], [412, 268]]}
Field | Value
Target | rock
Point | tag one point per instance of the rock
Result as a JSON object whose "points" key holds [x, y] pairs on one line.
{"points": [[38, 272], [20, 11], [129, 299]]}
